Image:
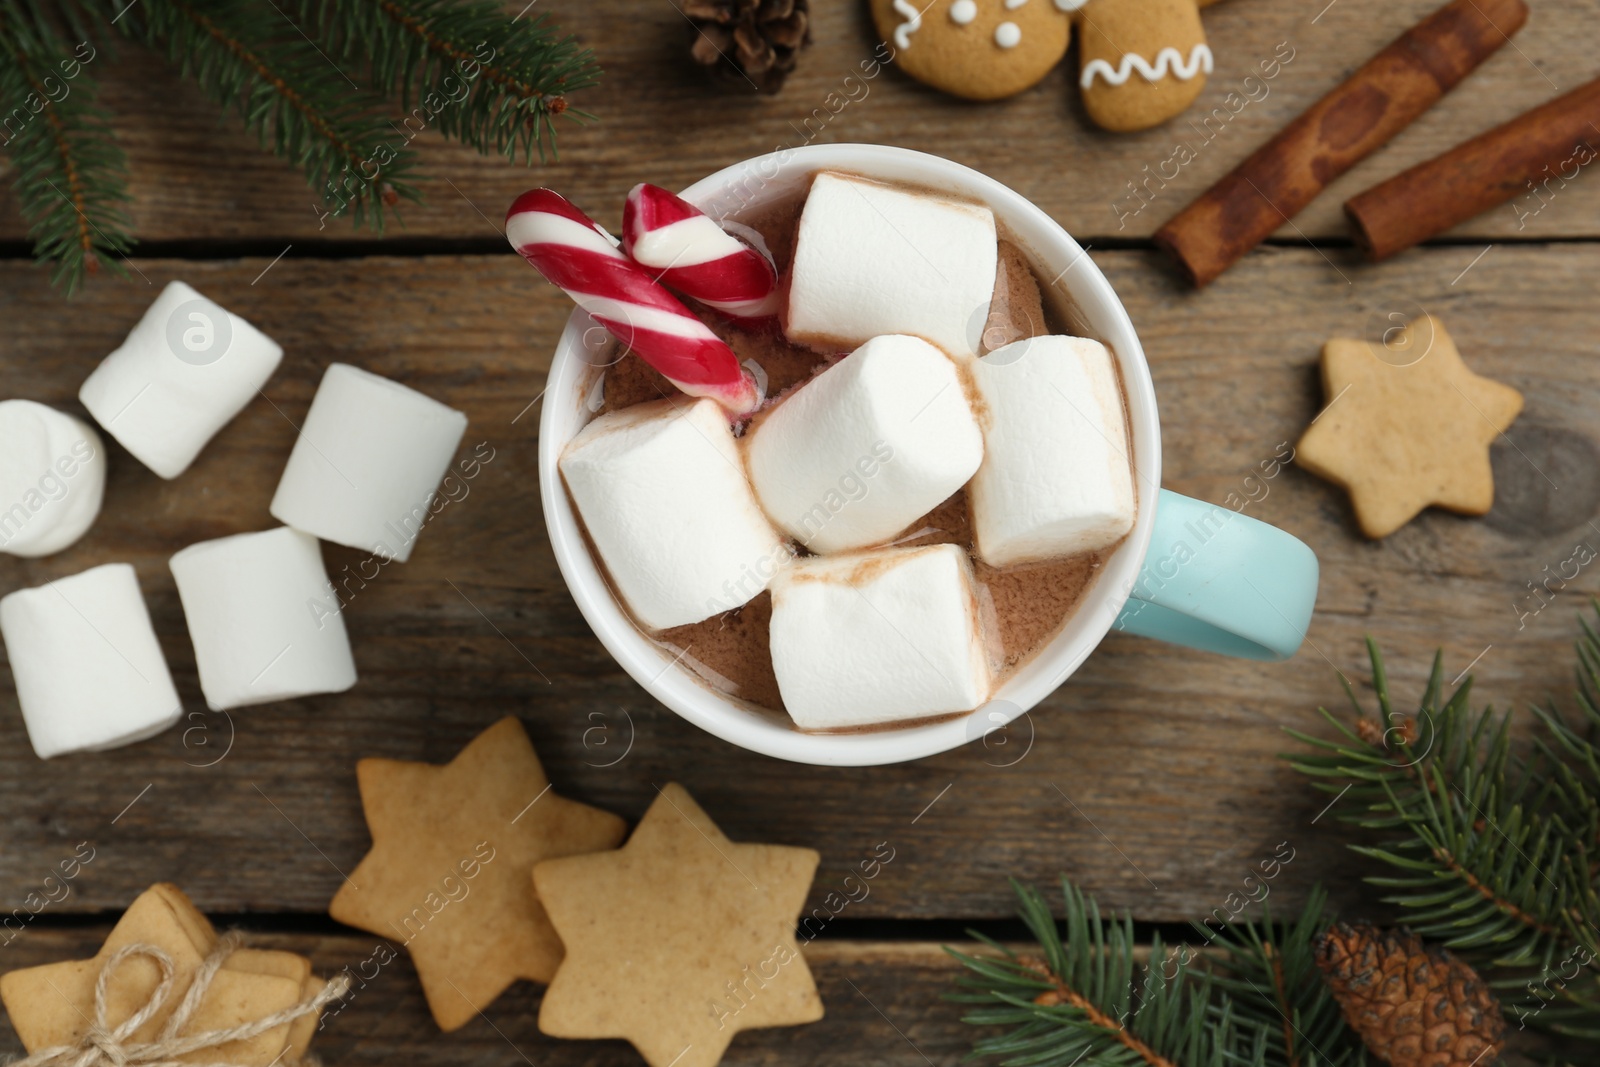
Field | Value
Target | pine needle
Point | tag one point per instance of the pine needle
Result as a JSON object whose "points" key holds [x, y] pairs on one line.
{"points": [[1086, 1001], [1491, 845], [463, 68], [71, 177], [337, 88]]}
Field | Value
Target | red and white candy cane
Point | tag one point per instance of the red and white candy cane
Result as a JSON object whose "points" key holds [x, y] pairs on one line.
{"points": [[574, 253], [692, 254]]}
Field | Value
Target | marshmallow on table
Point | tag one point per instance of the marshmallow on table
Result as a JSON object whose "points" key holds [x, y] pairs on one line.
{"points": [[865, 448], [89, 671], [52, 477], [878, 637], [1056, 478], [368, 462], [187, 368], [663, 495], [264, 620], [871, 259]]}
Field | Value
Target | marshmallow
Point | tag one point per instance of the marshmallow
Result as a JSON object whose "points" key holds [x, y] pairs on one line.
{"points": [[1056, 478], [186, 369], [52, 476], [664, 498], [867, 447], [878, 637], [264, 619], [89, 672], [368, 462], [871, 259]]}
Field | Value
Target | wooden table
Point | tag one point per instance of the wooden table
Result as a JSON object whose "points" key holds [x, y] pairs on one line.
{"points": [[1151, 779]]}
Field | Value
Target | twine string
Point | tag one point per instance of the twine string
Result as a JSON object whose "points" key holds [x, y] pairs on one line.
{"points": [[104, 1046]]}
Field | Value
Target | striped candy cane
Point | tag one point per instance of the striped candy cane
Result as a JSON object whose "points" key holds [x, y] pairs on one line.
{"points": [[575, 254], [689, 252]]}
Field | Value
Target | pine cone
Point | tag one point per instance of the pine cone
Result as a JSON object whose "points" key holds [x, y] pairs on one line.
{"points": [[754, 42], [1414, 1005]]}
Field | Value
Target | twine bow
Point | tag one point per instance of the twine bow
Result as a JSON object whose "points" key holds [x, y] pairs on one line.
{"points": [[104, 1046]]}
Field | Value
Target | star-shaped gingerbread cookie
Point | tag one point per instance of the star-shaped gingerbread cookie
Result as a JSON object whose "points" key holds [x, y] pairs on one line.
{"points": [[450, 871], [1406, 425], [680, 939], [50, 1005]]}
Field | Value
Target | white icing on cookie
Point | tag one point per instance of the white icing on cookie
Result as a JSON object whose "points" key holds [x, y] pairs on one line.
{"points": [[912, 23], [1069, 5], [1167, 60], [1008, 35], [963, 12], [1012, 5]]}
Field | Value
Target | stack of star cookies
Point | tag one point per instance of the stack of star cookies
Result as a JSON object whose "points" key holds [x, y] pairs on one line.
{"points": [[51, 1006]]}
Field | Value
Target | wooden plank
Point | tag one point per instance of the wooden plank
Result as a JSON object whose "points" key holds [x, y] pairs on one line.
{"points": [[881, 999], [196, 176], [1150, 778]]}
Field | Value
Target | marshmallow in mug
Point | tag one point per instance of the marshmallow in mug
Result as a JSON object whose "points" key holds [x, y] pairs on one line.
{"points": [[263, 618], [878, 637], [185, 370], [870, 259], [90, 674], [368, 462], [867, 447], [663, 495], [52, 478], [1056, 478]]}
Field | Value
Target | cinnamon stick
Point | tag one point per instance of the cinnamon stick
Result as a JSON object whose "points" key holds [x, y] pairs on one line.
{"points": [[1338, 131], [1549, 144]]}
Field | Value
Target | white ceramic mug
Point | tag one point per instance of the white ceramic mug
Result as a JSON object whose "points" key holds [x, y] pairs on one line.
{"points": [[1183, 606]]}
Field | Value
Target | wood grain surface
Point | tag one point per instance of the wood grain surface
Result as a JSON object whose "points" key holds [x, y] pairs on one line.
{"points": [[878, 997], [197, 177], [1151, 777], [883, 1003]]}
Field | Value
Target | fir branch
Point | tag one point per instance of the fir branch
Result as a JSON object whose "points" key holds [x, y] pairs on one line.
{"points": [[71, 176], [289, 93], [1281, 1003], [494, 82], [1572, 749], [461, 67], [1272, 977], [1491, 847], [1059, 993], [1088, 1002], [1477, 872]]}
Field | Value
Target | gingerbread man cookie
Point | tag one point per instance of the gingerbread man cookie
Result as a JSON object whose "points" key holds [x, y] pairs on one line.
{"points": [[1161, 72], [1141, 62], [977, 49]]}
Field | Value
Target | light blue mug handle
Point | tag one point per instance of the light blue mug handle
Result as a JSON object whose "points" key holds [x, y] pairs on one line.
{"points": [[1220, 581]]}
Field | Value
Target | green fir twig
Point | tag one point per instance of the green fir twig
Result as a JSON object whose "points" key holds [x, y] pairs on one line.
{"points": [[248, 55], [70, 175], [1088, 1001], [1270, 972], [1491, 845], [338, 88], [463, 68]]}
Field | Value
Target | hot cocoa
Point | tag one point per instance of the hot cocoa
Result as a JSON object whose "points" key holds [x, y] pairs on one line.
{"points": [[1020, 604]]}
